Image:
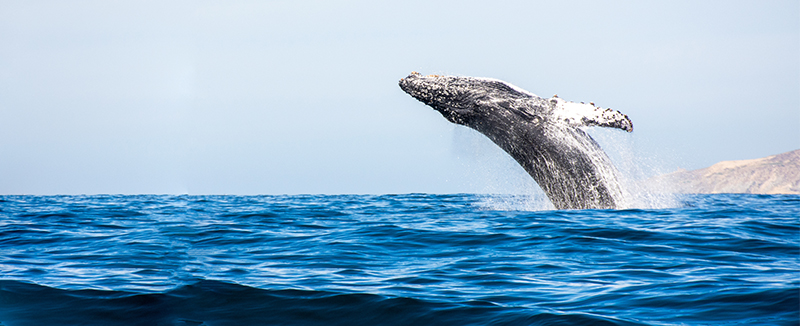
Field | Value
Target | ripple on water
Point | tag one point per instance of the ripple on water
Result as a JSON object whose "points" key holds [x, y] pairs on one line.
{"points": [[396, 259]]}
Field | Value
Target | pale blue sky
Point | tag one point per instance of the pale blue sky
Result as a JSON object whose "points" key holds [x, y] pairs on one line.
{"points": [[275, 97]]}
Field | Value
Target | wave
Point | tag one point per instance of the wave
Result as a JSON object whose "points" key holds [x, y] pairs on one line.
{"points": [[395, 259], [208, 302]]}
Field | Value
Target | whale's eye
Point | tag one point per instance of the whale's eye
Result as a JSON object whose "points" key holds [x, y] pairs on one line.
{"points": [[504, 104]]}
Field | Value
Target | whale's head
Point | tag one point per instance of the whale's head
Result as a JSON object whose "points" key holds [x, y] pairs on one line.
{"points": [[460, 99], [482, 103]]}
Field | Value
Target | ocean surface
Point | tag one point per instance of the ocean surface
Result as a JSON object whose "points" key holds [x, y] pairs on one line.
{"points": [[414, 259]]}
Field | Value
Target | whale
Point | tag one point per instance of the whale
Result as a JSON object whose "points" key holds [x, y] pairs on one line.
{"points": [[545, 136]]}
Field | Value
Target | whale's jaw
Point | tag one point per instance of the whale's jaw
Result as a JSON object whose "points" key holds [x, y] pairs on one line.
{"points": [[542, 135]]}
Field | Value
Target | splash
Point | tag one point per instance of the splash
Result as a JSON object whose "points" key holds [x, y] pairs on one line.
{"points": [[519, 203], [633, 171], [503, 185]]}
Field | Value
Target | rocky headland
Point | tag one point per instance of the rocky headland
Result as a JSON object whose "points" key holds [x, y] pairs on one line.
{"points": [[776, 174]]}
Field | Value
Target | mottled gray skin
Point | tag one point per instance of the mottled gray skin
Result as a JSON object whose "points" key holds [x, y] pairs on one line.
{"points": [[565, 161]]}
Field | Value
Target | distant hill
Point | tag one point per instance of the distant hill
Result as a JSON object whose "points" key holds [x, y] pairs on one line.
{"points": [[776, 174]]}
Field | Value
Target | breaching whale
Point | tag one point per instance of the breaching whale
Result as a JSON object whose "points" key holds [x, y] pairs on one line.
{"points": [[543, 135]]}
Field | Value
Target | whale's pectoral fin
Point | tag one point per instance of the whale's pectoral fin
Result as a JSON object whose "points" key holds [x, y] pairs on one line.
{"points": [[589, 115], [609, 118]]}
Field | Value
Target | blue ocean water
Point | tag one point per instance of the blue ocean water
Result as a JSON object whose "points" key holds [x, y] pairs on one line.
{"points": [[413, 259]]}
